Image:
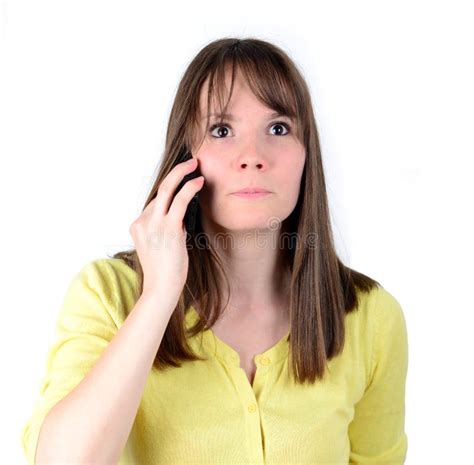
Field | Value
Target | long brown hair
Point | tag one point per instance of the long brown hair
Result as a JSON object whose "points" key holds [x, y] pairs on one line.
{"points": [[322, 289]]}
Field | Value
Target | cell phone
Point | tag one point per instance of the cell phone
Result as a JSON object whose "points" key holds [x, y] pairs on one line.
{"points": [[192, 209]]}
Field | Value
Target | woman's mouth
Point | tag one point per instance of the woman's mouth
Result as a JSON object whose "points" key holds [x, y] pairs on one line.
{"points": [[251, 195]]}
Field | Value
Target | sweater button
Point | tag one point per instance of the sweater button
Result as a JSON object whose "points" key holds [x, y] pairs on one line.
{"points": [[252, 408], [265, 361]]}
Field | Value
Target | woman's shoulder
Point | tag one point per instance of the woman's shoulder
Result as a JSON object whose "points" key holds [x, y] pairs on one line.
{"points": [[374, 328], [378, 320], [390, 320], [112, 280], [377, 304], [377, 312], [118, 270]]}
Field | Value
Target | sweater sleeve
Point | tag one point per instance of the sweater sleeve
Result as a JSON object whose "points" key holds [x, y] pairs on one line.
{"points": [[84, 328], [377, 431]]}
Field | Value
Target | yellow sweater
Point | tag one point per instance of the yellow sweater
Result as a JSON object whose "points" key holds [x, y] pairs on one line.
{"points": [[207, 412]]}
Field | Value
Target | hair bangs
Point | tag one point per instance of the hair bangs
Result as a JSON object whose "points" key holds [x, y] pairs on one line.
{"points": [[265, 76]]}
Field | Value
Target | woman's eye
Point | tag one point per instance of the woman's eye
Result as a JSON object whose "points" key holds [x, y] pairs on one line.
{"points": [[286, 126], [221, 133], [217, 126]]}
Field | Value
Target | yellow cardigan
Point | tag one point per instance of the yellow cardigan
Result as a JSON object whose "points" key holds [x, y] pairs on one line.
{"points": [[207, 412]]}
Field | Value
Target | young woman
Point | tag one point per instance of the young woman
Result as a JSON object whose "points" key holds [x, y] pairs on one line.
{"points": [[246, 339]]}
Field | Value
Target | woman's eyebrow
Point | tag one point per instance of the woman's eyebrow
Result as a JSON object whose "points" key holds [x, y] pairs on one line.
{"points": [[231, 117]]}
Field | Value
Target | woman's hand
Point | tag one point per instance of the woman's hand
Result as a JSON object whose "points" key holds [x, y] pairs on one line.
{"points": [[159, 234]]}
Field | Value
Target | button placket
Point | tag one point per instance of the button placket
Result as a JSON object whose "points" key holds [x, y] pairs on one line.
{"points": [[251, 413], [251, 394]]}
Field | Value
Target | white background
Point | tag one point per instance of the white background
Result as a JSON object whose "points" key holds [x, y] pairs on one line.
{"points": [[85, 93]]}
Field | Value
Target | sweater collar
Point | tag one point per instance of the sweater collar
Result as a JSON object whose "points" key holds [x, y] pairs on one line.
{"points": [[215, 346]]}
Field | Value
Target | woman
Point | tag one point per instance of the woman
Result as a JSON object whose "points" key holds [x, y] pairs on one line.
{"points": [[180, 350]]}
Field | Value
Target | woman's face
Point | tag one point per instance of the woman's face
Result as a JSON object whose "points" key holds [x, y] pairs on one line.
{"points": [[251, 149]]}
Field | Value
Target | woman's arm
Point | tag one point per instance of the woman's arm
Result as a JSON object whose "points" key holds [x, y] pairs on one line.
{"points": [[377, 432], [91, 424]]}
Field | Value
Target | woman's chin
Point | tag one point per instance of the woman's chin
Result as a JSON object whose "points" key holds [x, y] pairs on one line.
{"points": [[249, 222]]}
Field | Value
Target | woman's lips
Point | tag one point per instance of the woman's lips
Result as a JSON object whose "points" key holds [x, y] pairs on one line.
{"points": [[251, 195]]}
